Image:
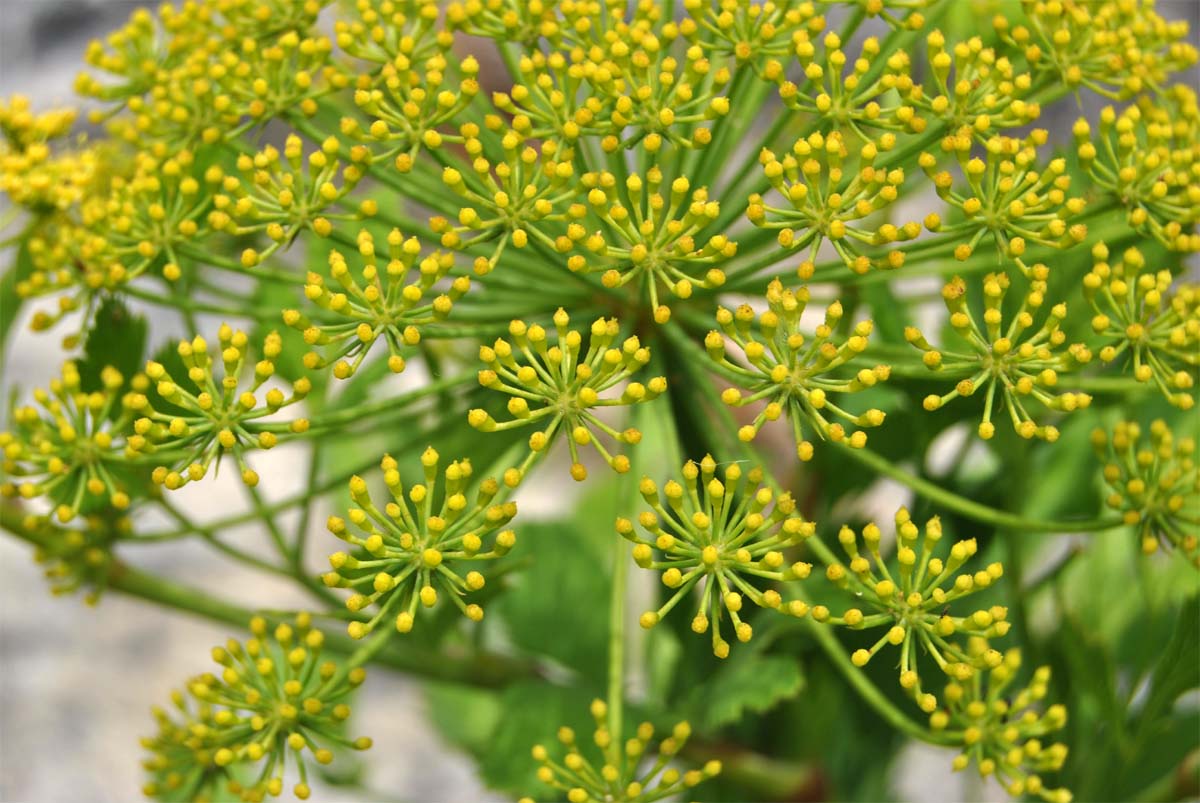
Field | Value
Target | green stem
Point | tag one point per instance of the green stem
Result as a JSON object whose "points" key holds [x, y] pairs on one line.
{"points": [[476, 668], [988, 515]]}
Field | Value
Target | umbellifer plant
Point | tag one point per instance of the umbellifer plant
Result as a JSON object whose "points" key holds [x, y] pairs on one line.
{"points": [[741, 268]]}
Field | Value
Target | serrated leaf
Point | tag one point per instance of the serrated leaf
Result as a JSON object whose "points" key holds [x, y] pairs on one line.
{"points": [[749, 682], [116, 338], [530, 713]]}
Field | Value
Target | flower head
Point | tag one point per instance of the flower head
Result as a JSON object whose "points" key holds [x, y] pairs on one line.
{"points": [[1013, 363], [406, 552], [190, 430], [507, 201], [650, 238], [70, 445], [629, 772], [913, 602], [794, 373], [1002, 733], [1115, 48], [80, 556], [832, 203], [1007, 198], [408, 109], [557, 387], [974, 89], [750, 31], [380, 34], [282, 194], [718, 537], [1147, 156], [838, 91], [1138, 314], [369, 306], [274, 699], [1153, 485]]}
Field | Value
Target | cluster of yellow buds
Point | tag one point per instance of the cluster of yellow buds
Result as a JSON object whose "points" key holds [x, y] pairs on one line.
{"points": [[1116, 48], [855, 98], [274, 700], [629, 772], [715, 537], [272, 78], [406, 114], [212, 72], [545, 99], [792, 373], [282, 196], [523, 21], [405, 552], [985, 93], [899, 14], [652, 240], [1013, 363], [1002, 733], [749, 31], [77, 557], [1154, 486], [32, 174], [652, 96], [1148, 158], [558, 387], [194, 429], [1007, 198], [831, 203], [369, 306], [71, 447], [1138, 314], [515, 195], [379, 32], [913, 602]]}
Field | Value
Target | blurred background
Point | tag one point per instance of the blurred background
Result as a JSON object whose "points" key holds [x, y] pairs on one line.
{"points": [[76, 683]]}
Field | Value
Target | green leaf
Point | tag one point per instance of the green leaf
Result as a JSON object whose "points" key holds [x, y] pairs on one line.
{"points": [[749, 682], [465, 716], [531, 713], [10, 302], [557, 607], [116, 338]]}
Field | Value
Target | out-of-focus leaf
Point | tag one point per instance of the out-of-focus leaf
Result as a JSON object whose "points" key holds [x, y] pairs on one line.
{"points": [[748, 682], [10, 302], [531, 713], [116, 338]]}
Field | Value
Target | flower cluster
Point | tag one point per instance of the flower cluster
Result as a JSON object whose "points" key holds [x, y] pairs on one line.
{"points": [[830, 203], [792, 373], [1011, 362], [369, 306], [1153, 485], [984, 94], [1007, 198], [914, 601], [509, 199], [630, 772], [80, 556], [1002, 733], [1146, 157], [274, 700], [1114, 48], [1138, 314], [71, 446], [281, 196], [653, 239], [715, 536], [855, 98], [190, 430], [406, 552], [557, 387]]}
